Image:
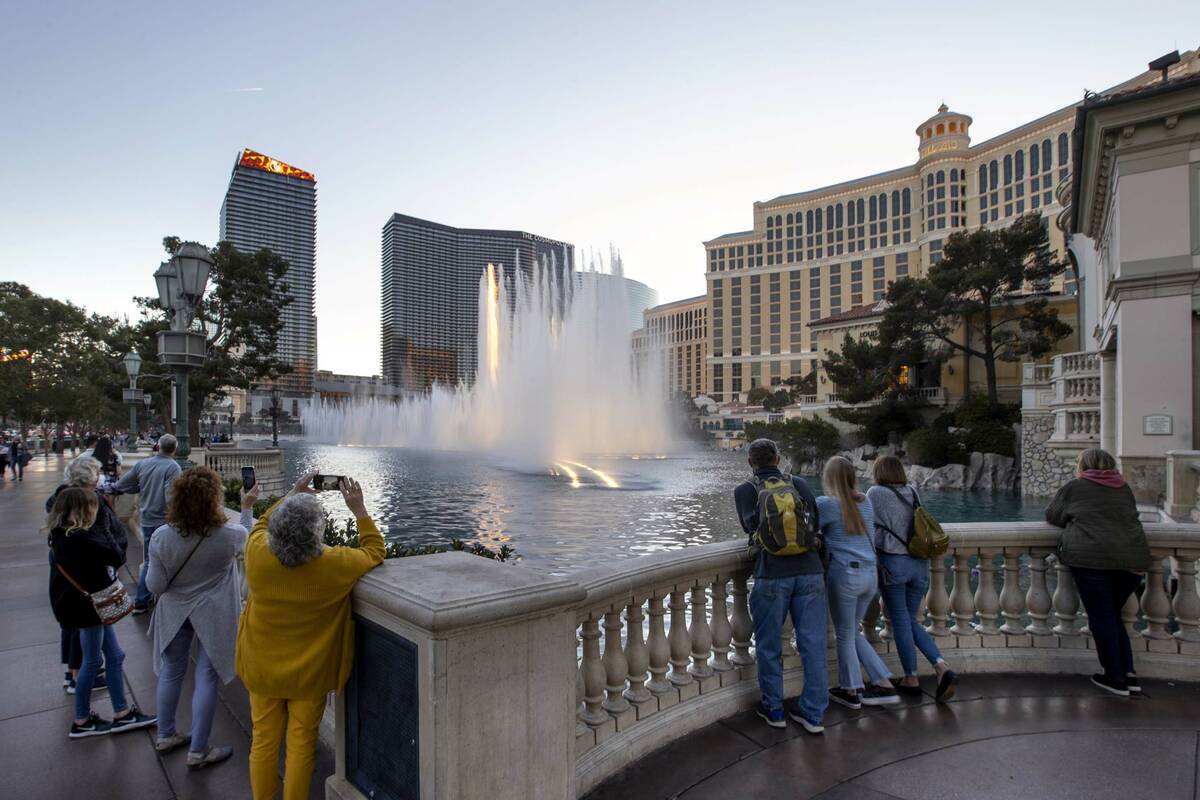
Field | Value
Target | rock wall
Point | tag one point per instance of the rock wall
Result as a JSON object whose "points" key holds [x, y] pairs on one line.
{"points": [[1043, 470], [986, 471]]}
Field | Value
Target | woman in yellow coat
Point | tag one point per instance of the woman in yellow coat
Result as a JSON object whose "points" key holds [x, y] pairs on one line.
{"points": [[295, 640]]}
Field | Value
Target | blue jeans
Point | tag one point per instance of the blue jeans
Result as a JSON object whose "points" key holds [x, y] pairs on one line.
{"points": [[905, 582], [98, 640], [851, 590], [771, 600], [170, 685], [143, 596]]}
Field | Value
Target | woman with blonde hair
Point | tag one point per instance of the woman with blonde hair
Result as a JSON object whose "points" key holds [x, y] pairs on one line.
{"points": [[903, 579], [1105, 546], [193, 573], [846, 519], [84, 560]]}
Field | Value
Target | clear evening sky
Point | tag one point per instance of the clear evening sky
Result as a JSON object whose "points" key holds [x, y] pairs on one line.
{"points": [[653, 126]]}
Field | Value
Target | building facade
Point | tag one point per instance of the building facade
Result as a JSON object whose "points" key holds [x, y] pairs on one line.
{"points": [[639, 296], [674, 341], [273, 205], [332, 387], [430, 288], [814, 254]]}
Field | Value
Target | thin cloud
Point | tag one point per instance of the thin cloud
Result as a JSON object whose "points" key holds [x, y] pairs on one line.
{"points": [[249, 89]]}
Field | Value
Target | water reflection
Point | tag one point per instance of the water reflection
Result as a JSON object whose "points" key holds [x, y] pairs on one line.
{"points": [[559, 522]]}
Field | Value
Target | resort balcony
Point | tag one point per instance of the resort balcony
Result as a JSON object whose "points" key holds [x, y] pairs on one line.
{"points": [[1069, 387], [476, 679]]}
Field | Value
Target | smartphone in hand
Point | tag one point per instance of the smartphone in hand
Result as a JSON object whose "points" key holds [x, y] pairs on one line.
{"points": [[248, 478], [327, 483]]}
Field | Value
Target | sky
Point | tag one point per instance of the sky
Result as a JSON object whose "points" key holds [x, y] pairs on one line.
{"points": [[650, 126]]}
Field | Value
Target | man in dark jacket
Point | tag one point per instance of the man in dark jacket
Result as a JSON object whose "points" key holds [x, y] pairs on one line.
{"points": [[783, 585]]}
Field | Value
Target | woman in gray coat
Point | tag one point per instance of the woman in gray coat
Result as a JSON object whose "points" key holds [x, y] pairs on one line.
{"points": [[193, 572]]}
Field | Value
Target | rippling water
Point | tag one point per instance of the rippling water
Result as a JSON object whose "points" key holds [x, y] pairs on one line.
{"points": [[423, 497]]}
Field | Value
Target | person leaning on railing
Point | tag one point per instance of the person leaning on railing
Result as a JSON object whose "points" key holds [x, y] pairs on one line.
{"points": [[1105, 546], [295, 641]]}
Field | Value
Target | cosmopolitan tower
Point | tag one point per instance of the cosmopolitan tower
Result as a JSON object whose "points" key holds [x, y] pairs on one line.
{"points": [[430, 284], [273, 205]]}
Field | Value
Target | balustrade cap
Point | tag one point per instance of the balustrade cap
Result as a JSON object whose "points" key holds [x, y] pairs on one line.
{"points": [[647, 573], [448, 591]]}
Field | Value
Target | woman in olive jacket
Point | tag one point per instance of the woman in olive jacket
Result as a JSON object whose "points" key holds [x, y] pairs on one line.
{"points": [[1105, 547]]}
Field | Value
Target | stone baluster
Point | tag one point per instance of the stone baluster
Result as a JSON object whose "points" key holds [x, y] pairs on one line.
{"points": [[1155, 604], [616, 669], [1187, 602], [580, 692], [1066, 601], [987, 602], [1037, 599], [887, 634], [1012, 602], [741, 627], [593, 674], [679, 639], [961, 602], [700, 634], [870, 621], [1129, 614], [637, 656], [936, 599], [659, 652], [721, 632]]}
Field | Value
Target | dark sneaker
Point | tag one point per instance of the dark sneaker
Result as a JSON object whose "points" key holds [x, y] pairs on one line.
{"points": [[1102, 681], [71, 686], [133, 720], [95, 726], [213, 755], [68, 681], [879, 696], [140, 608], [842, 697], [909, 691], [773, 716], [946, 684], [1132, 683], [808, 725]]}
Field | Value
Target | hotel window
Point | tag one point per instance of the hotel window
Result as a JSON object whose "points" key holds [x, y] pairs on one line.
{"points": [[755, 314], [901, 265], [907, 198], [1064, 157], [856, 283], [850, 222], [862, 228], [835, 289], [896, 217], [873, 206], [879, 278], [838, 225], [935, 251]]}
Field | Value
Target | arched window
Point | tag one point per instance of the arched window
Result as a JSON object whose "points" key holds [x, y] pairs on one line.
{"points": [[861, 209], [928, 133], [1046, 154], [778, 220], [929, 180], [953, 127], [850, 213], [941, 129], [941, 176], [883, 205], [954, 176], [874, 208], [907, 201], [1063, 155], [770, 221], [789, 219], [896, 203], [993, 176], [1034, 161], [982, 178], [828, 218], [1020, 165], [808, 221], [840, 222], [1008, 169], [820, 221]]}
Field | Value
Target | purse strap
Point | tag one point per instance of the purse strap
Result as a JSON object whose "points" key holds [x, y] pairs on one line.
{"points": [[71, 580], [195, 547]]}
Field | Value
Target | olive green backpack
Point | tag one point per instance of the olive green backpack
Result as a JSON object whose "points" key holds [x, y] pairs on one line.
{"points": [[926, 538]]}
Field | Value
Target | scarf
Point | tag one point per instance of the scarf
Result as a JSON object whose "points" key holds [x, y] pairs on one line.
{"points": [[1111, 478]]}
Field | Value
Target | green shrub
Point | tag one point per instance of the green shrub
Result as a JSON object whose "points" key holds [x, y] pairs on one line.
{"points": [[990, 437], [944, 421], [892, 415], [233, 498], [934, 448], [976, 409]]}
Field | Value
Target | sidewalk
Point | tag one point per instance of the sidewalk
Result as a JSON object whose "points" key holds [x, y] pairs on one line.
{"points": [[37, 760]]}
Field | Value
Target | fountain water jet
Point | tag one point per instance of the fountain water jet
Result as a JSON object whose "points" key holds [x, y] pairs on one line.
{"points": [[556, 382]]}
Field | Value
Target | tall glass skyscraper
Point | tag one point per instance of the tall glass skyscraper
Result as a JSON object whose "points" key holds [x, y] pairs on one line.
{"points": [[273, 205], [430, 287]]}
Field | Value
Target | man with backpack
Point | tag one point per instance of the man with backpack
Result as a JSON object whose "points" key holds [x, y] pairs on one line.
{"points": [[779, 514]]}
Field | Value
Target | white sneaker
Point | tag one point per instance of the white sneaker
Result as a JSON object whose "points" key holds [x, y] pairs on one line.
{"points": [[165, 744]]}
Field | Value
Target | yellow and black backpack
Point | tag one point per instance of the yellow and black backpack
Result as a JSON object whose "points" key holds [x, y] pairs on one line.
{"points": [[786, 523]]}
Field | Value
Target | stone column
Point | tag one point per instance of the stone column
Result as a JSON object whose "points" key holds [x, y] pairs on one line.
{"points": [[1108, 401], [457, 628]]}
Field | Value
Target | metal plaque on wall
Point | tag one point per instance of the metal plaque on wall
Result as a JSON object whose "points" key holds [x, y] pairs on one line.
{"points": [[1156, 425]]}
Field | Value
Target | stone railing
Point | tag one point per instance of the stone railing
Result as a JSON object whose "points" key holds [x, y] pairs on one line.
{"points": [[1183, 485], [1077, 364], [267, 463], [807, 399], [934, 394], [600, 668], [1037, 388], [1075, 401]]}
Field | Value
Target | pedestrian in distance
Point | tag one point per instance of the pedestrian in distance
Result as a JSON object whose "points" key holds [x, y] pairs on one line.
{"points": [[150, 479], [779, 514], [295, 641], [3, 456], [18, 457], [84, 561], [109, 458], [846, 520], [1104, 545], [193, 573], [903, 578]]}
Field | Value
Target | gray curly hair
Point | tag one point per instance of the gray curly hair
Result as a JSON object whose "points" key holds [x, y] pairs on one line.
{"points": [[296, 529], [83, 471]]}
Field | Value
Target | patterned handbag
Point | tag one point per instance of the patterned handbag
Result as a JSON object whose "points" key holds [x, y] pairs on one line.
{"points": [[112, 603]]}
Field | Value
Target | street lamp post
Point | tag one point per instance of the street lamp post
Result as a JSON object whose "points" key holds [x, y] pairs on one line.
{"points": [[274, 418], [147, 400], [180, 284], [132, 396]]}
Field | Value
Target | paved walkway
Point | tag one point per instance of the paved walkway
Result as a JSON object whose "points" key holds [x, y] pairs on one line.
{"points": [[37, 760], [1003, 737]]}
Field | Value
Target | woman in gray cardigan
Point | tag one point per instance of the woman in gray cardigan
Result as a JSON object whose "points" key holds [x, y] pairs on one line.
{"points": [[1105, 546], [193, 572]]}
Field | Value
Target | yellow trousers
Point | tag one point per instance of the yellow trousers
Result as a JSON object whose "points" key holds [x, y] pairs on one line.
{"points": [[303, 724]]}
